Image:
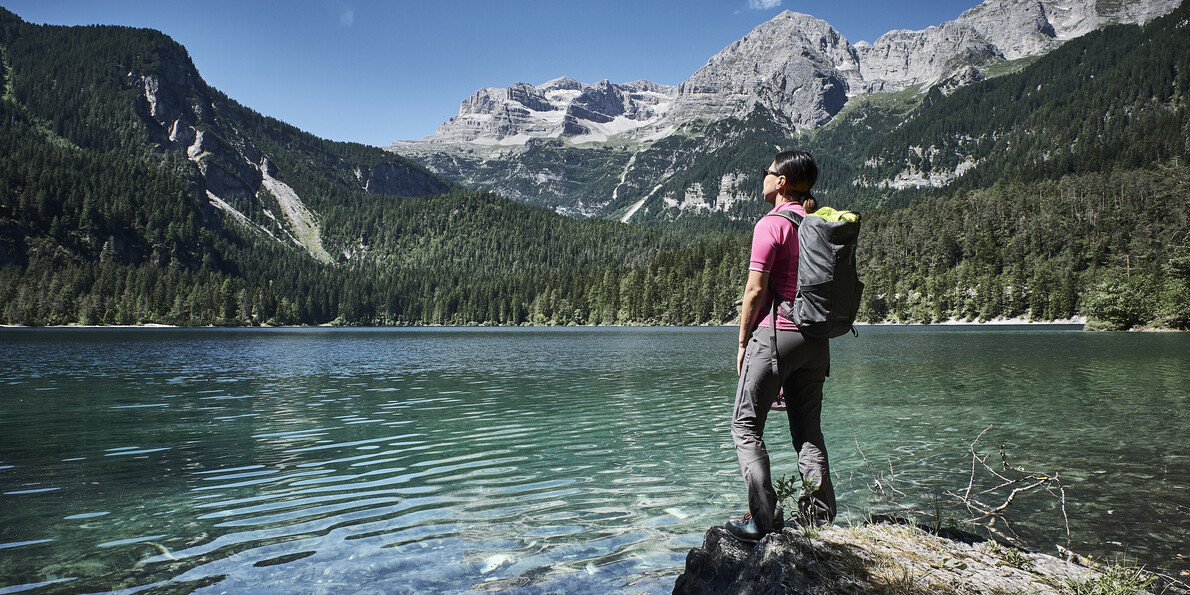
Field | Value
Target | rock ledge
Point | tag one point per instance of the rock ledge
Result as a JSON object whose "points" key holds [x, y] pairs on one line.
{"points": [[888, 557]]}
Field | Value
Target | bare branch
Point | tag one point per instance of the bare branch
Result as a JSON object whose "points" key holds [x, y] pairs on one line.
{"points": [[997, 510], [987, 515]]}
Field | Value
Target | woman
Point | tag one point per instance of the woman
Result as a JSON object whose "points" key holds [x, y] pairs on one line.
{"points": [[798, 366]]}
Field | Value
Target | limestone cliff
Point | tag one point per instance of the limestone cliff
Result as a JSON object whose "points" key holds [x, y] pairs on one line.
{"points": [[994, 30], [794, 64], [560, 107]]}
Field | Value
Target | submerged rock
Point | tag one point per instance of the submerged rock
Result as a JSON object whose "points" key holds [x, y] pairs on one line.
{"points": [[891, 557]]}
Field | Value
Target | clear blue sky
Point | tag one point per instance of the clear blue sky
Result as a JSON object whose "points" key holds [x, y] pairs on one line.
{"points": [[375, 71]]}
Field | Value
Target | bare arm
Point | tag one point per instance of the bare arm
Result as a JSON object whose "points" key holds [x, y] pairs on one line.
{"points": [[750, 312]]}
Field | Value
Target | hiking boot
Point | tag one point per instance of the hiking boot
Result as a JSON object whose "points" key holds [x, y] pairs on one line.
{"points": [[744, 530]]}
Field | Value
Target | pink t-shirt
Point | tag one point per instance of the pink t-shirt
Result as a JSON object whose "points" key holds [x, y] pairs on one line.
{"points": [[775, 251]]}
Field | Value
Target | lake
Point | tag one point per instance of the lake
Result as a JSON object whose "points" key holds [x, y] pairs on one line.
{"points": [[583, 460]]}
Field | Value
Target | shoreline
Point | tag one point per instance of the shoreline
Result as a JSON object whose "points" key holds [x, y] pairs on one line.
{"points": [[1019, 321], [952, 322], [1077, 321]]}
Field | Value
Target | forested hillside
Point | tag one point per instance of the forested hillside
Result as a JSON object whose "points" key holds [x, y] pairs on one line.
{"points": [[1113, 247], [1113, 99], [107, 218]]}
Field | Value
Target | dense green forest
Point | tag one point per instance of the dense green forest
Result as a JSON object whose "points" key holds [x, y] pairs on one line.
{"points": [[1088, 244], [1113, 247], [102, 222]]}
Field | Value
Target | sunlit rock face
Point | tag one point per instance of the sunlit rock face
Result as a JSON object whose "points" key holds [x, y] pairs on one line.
{"points": [[795, 65], [994, 30], [562, 107]]}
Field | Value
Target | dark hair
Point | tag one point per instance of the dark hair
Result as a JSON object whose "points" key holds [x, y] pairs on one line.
{"points": [[800, 173]]}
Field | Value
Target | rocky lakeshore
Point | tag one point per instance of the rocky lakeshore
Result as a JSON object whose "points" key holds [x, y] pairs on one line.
{"points": [[889, 556]]}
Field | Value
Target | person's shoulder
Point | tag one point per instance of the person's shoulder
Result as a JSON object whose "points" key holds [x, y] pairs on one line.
{"points": [[769, 221]]}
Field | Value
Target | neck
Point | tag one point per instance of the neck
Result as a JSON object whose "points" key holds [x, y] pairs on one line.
{"points": [[782, 199]]}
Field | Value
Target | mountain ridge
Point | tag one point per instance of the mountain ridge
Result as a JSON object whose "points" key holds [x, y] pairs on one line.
{"points": [[812, 52], [817, 74]]}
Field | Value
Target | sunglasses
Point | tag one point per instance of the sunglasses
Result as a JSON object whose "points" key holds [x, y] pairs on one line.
{"points": [[769, 172]]}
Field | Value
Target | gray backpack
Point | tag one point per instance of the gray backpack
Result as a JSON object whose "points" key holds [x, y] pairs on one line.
{"points": [[828, 285]]}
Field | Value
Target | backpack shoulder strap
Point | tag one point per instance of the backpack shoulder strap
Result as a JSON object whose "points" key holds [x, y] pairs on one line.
{"points": [[796, 219], [789, 214]]}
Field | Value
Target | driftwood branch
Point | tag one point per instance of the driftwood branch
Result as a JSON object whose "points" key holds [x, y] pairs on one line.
{"points": [[1024, 482], [983, 504]]}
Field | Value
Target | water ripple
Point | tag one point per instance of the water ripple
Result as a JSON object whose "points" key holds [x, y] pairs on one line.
{"points": [[276, 462]]}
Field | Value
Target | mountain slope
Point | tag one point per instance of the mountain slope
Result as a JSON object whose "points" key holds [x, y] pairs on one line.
{"points": [[110, 88]]}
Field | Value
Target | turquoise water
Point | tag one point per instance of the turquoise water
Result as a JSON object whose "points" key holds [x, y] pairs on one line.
{"points": [[530, 460]]}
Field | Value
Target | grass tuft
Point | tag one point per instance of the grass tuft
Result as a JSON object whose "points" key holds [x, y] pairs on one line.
{"points": [[1114, 580]]}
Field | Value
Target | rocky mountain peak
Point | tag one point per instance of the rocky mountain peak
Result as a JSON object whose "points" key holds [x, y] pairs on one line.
{"points": [[795, 65], [807, 30], [562, 83], [643, 86]]}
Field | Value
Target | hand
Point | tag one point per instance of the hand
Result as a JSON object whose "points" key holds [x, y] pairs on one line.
{"points": [[739, 359]]}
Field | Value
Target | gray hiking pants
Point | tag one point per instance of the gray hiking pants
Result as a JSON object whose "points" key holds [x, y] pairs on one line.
{"points": [[804, 364]]}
